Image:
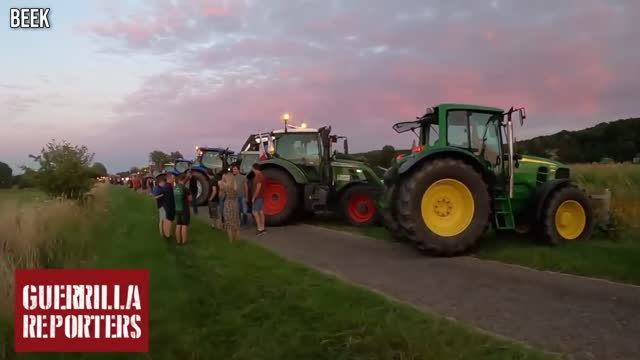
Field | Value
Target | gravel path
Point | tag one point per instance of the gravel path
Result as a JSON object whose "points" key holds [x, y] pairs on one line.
{"points": [[580, 317]]}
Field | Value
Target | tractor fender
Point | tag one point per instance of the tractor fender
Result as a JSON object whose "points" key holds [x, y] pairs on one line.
{"points": [[420, 158], [541, 195], [298, 175], [199, 168]]}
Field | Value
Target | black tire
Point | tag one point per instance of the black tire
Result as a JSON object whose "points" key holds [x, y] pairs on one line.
{"points": [[203, 182], [389, 216], [550, 234], [410, 213], [358, 204], [272, 200]]}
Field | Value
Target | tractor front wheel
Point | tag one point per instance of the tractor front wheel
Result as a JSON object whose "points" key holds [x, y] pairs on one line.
{"points": [[204, 189], [568, 216], [359, 204], [444, 207], [281, 198]]}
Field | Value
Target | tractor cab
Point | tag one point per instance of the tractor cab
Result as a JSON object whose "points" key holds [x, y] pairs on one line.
{"points": [[214, 159], [465, 170], [182, 165], [168, 167]]}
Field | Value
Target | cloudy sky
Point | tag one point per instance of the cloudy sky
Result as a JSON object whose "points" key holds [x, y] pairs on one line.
{"points": [[128, 77]]}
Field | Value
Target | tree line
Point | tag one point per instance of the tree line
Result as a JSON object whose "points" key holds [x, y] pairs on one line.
{"points": [[617, 141]]}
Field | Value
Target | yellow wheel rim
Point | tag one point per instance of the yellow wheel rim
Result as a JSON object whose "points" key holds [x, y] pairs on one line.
{"points": [[571, 219], [447, 207]]}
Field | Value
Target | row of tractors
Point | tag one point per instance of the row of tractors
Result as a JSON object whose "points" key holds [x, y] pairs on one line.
{"points": [[461, 179]]}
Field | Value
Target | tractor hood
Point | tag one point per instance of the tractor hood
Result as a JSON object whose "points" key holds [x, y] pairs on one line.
{"points": [[540, 161]]}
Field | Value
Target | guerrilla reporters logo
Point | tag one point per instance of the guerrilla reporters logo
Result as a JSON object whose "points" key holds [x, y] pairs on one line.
{"points": [[20, 18], [83, 310]]}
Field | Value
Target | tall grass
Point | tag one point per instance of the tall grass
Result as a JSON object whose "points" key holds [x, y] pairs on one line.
{"points": [[43, 234], [623, 180]]}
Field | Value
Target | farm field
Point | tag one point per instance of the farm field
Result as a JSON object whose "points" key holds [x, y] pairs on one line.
{"points": [[241, 301], [612, 256]]}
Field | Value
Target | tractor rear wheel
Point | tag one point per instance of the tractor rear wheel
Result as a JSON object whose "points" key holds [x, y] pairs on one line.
{"points": [[358, 204], [444, 207], [281, 198], [204, 189], [567, 216]]}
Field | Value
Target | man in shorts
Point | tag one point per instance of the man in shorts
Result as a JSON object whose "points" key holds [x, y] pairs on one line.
{"points": [[257, 198], [183, 213], [158, 194]]}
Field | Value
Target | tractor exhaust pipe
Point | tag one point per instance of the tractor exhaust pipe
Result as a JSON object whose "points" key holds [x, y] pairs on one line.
{"points": [[511, 154]]}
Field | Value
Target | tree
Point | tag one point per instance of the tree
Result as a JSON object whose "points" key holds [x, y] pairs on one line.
{"points": [[133, 170], [175, 155], [159, 158], [387, 154], [6, 175], [98, 169], [64, 170]]}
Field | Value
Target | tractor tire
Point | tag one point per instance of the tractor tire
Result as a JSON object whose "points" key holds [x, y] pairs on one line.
{"points": [[358, 204], [444, 207], [281, 197], [567, 216], [203, 184], [389, 217]]}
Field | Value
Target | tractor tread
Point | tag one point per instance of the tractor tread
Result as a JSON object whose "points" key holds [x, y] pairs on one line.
{"points": [[409, 209]]}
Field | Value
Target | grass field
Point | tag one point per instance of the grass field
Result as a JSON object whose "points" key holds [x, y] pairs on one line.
{"points": [[623, 180], [212, 299]]}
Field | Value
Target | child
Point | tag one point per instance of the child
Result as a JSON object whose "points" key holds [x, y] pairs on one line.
{"points": [[183, 213]]}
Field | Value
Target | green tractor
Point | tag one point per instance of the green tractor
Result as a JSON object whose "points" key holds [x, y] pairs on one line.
{"points": [[303, 175], [466, 176]]}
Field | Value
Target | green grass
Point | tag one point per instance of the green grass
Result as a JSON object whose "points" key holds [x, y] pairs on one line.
{"points": [[611, 259], [215, 300]]}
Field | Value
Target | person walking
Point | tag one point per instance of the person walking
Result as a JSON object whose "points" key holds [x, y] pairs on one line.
{"points": [[168, 204], [243, 197], [229, 190], [164, 225], [257, 198], [193, 190]]}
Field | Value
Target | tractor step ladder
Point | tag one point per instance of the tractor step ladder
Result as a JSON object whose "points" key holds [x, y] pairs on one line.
{"points": [[504, 213]]}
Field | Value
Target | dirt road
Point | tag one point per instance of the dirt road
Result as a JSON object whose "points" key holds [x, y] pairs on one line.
{"points": [[584, 318]]}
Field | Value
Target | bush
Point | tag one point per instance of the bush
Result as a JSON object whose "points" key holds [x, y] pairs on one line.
{"points": [[5, 176], [64, 170]]}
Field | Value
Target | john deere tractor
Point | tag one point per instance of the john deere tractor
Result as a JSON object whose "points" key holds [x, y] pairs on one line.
{"points": [[303, 175], [465, 176]]}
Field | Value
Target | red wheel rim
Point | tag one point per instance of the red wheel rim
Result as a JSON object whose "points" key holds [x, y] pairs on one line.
{"points": [[361, 208], [275, 197]]}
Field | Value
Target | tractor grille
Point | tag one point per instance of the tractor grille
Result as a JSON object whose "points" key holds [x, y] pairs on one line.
{"points": [[563, 173]]}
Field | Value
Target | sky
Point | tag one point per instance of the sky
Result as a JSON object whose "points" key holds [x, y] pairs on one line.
{"points": [[128, 77]]}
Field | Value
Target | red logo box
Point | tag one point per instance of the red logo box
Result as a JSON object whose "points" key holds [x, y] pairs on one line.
{"points": [[83, 310]]}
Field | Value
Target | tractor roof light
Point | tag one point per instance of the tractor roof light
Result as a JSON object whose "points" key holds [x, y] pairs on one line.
{"points": [[286, 117], [303, 125]]}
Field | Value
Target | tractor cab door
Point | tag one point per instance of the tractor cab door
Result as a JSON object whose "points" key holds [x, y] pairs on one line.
{"points": [[303, 149]]}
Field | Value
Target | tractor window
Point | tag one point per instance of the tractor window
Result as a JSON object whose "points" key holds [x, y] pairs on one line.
{"points": [[247, 161], [211, 160], [458, 129], [299, 148], [182, 166]]}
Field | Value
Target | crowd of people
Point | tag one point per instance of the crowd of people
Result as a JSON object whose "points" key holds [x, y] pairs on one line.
{"points": [[234, 198]]}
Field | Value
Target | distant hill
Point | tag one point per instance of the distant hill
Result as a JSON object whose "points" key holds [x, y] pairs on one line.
{"points": [[617, 140]]}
